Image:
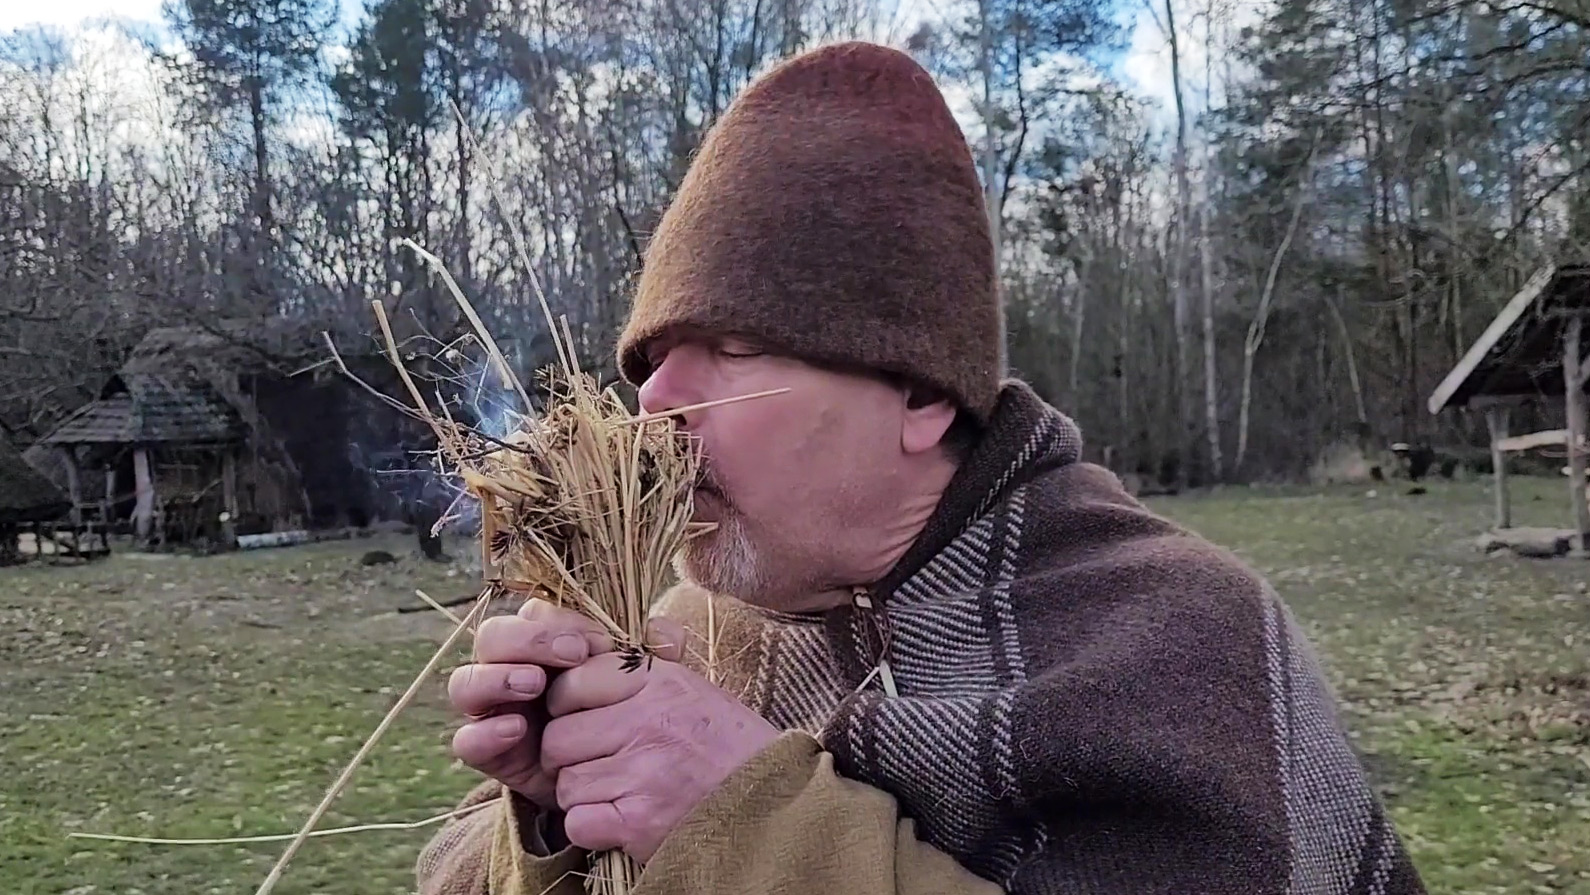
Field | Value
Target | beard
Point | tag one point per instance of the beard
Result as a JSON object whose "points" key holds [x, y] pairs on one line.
{"points": [[724, 560], [764, 565]]}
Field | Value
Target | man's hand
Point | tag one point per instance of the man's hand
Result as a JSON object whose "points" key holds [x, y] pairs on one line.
{"points": [[501, 692], [634, 751]]}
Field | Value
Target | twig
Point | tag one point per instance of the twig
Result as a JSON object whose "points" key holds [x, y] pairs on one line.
{"points": [[403, 371], [508, 376], [369, 744], [391, 401], [435, 604], [439, 607], [282, 837], [666, 414]]}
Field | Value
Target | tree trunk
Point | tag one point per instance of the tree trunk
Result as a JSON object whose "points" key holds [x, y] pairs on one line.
{"points": [[1183, 386], [1352, 358], [1255, 337], [262, 185], [1211, 369], [261, 233], [1078, 315], [990, 167]]}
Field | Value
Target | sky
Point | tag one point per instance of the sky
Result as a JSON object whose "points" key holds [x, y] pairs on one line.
{"points": [[66, 13], [1145, 65]]}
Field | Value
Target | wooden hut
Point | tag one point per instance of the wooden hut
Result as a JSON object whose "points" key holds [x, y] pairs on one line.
{"points": [[28, 500], [1534, 351], [205, 434]]}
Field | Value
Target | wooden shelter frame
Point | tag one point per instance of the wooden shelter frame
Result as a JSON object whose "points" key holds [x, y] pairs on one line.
{"points": [[1533, 349]]}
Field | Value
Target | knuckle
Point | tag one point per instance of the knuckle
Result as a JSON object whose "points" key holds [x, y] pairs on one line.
{"points": [[668, 683], [493, 635], [459, 683], [491, 626], [466, 747], [576, 828], [571, 784], [599, 827], [556, 743]]}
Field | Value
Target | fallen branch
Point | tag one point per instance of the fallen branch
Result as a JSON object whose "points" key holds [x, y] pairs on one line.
{"points": [[439, 605]]}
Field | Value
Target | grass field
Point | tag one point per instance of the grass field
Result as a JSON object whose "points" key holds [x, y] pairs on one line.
{"points": [[218, 697]]}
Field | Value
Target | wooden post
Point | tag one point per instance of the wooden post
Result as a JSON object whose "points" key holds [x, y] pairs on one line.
{"points": [[1573, 381], [144, 484], [107, 510], [1496, 421], [74, 486], [229, 497]]}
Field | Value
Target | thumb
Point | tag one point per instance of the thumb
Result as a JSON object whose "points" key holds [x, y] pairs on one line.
{"points": [[667, 638]]}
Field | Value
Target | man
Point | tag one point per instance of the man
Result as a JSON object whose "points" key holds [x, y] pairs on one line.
{"points": [[949, 656]]}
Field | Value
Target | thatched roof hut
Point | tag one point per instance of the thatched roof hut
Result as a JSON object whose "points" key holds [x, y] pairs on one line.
{"points": [[180, 386], [222, 422]]}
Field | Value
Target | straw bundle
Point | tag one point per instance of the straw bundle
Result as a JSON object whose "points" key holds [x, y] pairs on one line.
{"points": [[585, 505]]}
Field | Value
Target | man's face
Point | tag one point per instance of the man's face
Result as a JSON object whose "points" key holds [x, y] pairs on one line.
{"points": [[795, 482]]}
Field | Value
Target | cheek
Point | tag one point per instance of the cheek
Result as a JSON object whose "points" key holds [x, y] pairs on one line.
{"points": [[756, 453]]}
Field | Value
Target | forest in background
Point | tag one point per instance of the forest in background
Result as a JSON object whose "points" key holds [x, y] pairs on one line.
{"points": [[1337, 200]]}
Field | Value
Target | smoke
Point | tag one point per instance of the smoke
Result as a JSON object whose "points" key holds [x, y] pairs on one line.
{"points": [[482, 401], [413, 481]]}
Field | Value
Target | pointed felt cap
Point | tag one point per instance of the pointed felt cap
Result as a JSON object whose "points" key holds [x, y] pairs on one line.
{"points": [[833, 213]]}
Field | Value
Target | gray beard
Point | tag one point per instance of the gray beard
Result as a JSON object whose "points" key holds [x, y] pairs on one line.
{"points": [[722, 561]]}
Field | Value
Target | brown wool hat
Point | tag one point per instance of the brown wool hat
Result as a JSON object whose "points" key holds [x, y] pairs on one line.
{"points": [[833, 213]]}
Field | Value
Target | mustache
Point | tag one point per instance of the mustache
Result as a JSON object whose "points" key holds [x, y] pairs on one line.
{"points": [[708, 481]]}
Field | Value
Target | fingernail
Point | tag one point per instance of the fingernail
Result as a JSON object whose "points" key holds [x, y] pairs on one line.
{"points": [[508, 726], [569, 647], [526, 681]]}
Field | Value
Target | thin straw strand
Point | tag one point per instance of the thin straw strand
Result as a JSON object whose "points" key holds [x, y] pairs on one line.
{"points": [[668, 414], [369, 744], [283, 837]]}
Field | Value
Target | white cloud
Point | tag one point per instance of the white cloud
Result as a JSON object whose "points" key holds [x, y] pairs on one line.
{"points": [[16, 14], [1146, 66]]}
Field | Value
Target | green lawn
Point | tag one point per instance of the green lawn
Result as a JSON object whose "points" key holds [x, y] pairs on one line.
{"points": [[219, 697]]}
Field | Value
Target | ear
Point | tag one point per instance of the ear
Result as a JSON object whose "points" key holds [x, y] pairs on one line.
{"points": [[928, 415]]}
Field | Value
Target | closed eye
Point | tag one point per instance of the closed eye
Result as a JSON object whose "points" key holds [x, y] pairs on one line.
{"points": [[739, 348]]}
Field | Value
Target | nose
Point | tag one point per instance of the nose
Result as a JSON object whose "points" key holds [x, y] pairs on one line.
{"points": [[667, 387]]}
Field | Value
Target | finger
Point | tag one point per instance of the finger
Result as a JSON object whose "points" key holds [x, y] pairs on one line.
{"points": [[595, 827], [593, 782], [480, 744], [478, 689], [600, 682], [489, 747], [667, 638], [511, 640], [596, 637], [585, 736]]}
